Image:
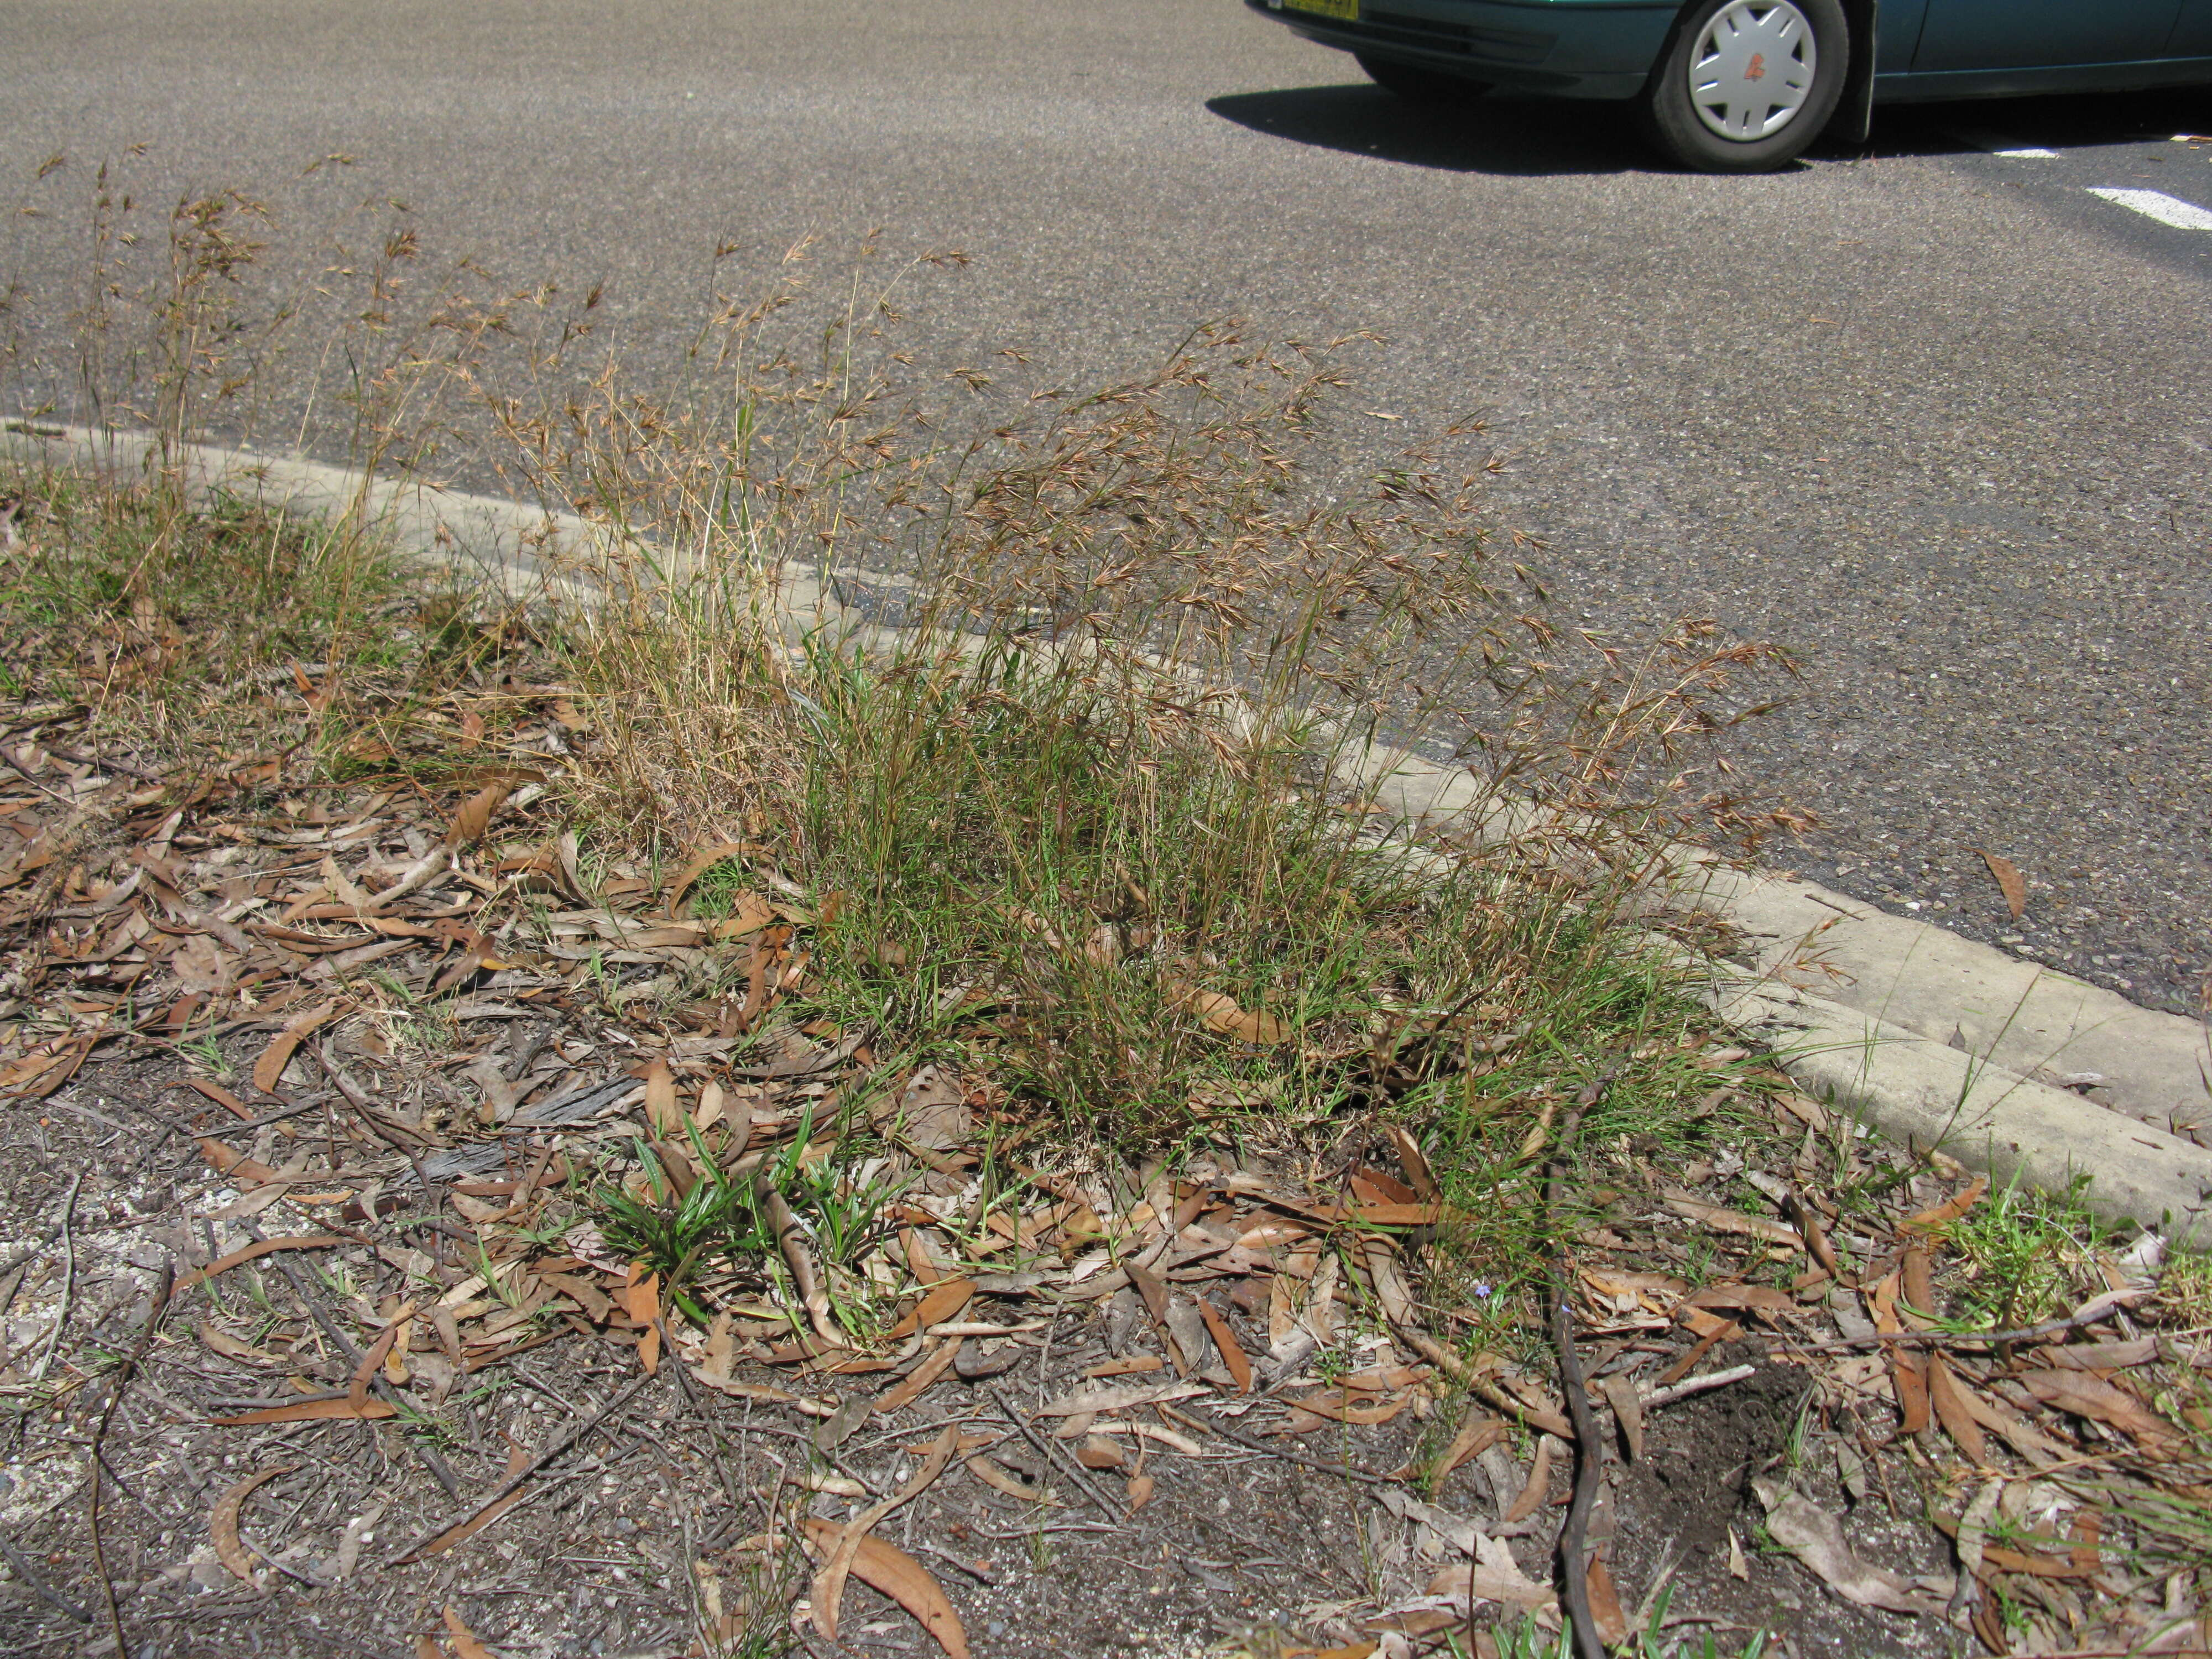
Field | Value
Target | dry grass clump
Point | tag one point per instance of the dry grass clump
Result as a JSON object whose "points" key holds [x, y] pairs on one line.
{"points": [[1055, 696]]}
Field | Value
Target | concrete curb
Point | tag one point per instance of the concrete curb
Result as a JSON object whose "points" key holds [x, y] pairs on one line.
{"points": [[1933, 1040]]}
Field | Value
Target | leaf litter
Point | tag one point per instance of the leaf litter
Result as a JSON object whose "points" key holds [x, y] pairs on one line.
{"points": [[458, 1183]]}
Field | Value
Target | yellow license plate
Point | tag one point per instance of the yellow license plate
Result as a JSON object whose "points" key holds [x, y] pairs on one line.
{"points": [[1346, 9]]}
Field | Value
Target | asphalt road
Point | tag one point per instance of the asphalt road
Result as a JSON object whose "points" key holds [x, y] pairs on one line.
{"points": [[1936, 416]]}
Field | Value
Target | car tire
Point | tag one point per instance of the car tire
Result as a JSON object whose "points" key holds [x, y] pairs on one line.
{"points": [[1426, 89], [1745, 85]]}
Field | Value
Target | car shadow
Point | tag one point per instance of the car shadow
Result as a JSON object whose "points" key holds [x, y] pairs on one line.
{"points": [[1535, 137], [1523, 136], [2086, 120]]}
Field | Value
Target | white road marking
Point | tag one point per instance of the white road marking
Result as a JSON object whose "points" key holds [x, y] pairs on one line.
{"points": [[1996, 146], [2157, 204]]}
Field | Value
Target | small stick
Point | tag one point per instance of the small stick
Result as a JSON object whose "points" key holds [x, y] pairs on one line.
{"points": [[345, 1345], [1689, 1386], [1589, 1449], [293, 1110], [1074, 1470], [1251, 1443], [690, 1392], [68, 1282], [28, 1577], [561, 1444], [31, 1252], [1952, 1338], [123, 1379]]}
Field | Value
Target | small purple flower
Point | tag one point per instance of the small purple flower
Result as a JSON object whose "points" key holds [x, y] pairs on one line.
{"points": [[1482, 1292]]}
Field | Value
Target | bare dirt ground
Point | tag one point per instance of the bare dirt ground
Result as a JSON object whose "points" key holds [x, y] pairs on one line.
{"points": [[662, 1525]]}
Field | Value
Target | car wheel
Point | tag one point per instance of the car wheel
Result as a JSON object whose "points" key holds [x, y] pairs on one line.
{"points": [[1745, 85], [1430, 88]]}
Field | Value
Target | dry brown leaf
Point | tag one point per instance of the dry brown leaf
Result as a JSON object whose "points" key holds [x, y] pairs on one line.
{"points": [[1816, 1537], [2010, 882], [899, 1575], [223, 1523], [1605, 1603], [258, 1247], [310, 1411], [1628, 1411], [1917, 1284], [476, 814], [1139, 1492], [1388, 1215], [946, 1298], [1414, 1162], [791, 1244], [827, 1593], [271, 1067], [699, 864], [1946, 1396], [998, 1478], [1731, 1221], [226, 1161], [1538, 1486], [2037, 1448], [1943, 1214], [2101, 1356], [1226, 1344], [2084, 1395], [1908, 1373], [917, 1381], [231, 1347], [1222, 1015], [1493, 1576], [1751, 1298], [200, 965], [222, 1097], [365, 1372], [1478, 1432], [1097, 1452], [712, 1104], [661, 1110], [465, 1645], [1997, 1556]]}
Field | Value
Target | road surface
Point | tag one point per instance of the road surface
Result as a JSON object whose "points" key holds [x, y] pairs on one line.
{"points": [[1937, 416]]}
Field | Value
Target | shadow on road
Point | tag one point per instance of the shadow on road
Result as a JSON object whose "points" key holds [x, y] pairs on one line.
{"points": [[2074, 121], [1529, 138], [1546, 137]]}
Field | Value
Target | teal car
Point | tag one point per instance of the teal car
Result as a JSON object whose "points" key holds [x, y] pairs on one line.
{"points": [[1742, 86]]}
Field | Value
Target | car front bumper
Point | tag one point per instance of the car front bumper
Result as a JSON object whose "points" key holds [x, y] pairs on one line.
{"points": [[1565, 48]]}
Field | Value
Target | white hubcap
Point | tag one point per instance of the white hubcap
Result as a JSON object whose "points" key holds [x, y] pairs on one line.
{"points": [[1753, 69]]}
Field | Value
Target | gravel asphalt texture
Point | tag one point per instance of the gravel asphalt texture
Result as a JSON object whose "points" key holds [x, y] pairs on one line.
{"points": [[1934, 417]]}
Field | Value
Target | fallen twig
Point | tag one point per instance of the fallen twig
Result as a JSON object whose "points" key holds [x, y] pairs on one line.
{"points": [[1252, 1442], [28, 1577], [1074, 1471], [129, 1368], [1690, 1385], [2095, 1311], [351, 1350], [1590, 1448], [514, 1482], [69, 1280]]}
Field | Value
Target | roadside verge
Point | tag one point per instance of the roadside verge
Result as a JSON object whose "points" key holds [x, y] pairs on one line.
{"points": [[1934, 1040]]}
